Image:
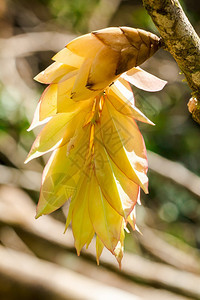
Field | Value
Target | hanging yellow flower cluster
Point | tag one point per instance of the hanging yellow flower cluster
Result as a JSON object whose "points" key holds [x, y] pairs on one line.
{"points": [[99, 158]]}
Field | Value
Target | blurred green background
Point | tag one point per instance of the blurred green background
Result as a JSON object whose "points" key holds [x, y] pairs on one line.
{"points": [[31, 32]]}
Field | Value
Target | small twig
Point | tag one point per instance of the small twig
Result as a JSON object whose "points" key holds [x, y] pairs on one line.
{"points": [[154, 242], [10, 239], [29, 180], [175, 172], [15, 153]]}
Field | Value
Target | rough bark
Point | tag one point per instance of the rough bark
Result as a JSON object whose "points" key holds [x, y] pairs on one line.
{"points": [[181, 40]]}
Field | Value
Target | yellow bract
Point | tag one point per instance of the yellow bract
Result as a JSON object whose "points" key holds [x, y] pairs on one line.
{"points": [[99, 158]]}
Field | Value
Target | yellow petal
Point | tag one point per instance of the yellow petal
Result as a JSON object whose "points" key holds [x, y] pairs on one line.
{"points": [[86, 45], [65, 56], [81, 225], [47, 106], [56, 190], [103, 68], [64, 101], [90, 237], [125, 145], [80, 90], [105, 175], [117, 188], [99, 248], [106, 221], [119, 249], [54, 73], [57, 131], [61, 175]]}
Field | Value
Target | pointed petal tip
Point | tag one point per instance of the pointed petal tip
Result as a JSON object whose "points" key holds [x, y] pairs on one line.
{"points": [[38, 214], [151, 123], [33, 126], [30, 128], [145, 187], [39, 77], [27, 160], [36, 77], [146, 120], [65, 229], [138, 230], [66, 225]]}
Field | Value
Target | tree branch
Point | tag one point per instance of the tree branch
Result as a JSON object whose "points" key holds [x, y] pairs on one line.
{"points": [[181, 40]]}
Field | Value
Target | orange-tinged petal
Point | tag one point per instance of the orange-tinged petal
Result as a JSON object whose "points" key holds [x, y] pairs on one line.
{"points": [[81, 225], [65, 56], [123, 89], [129, 191], [125, 145], [54, 73], [144, 80], [106, 221], [119, 191], [86, 45], [124, 105], [127, 86]]}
